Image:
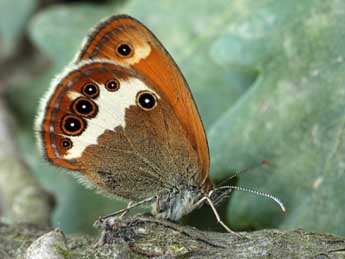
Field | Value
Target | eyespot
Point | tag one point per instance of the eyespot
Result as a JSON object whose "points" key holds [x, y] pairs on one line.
{"points": [[90, 90], [112, 85], [146, 100], [84, 107], [72, 125], [124, 50], [66, 143]]}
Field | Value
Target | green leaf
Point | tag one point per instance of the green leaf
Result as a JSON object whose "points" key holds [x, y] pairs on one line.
{"points": [[293, 115], [59, 30]]}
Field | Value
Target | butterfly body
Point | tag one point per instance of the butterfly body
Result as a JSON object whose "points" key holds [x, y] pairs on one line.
{"points": [[123, 116]]}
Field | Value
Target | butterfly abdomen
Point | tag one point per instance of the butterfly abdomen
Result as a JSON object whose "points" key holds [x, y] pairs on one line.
{"points": [[176, 203]]}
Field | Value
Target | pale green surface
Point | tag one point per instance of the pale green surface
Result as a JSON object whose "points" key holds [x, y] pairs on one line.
{"points": [[268, 79], [13, 18]]}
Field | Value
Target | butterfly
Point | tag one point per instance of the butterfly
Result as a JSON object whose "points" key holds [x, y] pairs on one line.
{"points": [[123, 117]]}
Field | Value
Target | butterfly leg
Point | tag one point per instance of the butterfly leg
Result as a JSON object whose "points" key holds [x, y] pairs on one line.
{"points": [[124, 211], [199, 203], [209, 201]]}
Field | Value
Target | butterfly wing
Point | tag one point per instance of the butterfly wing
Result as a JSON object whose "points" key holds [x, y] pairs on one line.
{"points": [[117, 128], [129, 43]]}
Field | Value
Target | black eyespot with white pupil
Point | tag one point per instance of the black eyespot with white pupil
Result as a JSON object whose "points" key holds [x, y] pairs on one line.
{"points": [[84, 107], [124, 50], [112, 85], [72, 125], [146, 100], [90, 90], [66, 143]]}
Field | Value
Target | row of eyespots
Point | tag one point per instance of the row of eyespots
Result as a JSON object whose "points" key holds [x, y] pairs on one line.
{"points": [[91, 90], [83, 107], [73, 124]]}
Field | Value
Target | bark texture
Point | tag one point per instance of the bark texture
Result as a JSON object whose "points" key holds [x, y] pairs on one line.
{"points": [[145, 237]]}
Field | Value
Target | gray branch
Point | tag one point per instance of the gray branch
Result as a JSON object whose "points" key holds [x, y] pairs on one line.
{"points": [[146, 237]]}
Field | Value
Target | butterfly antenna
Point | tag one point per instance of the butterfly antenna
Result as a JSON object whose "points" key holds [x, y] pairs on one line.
{"points": [[244, 189], [249, 168]]}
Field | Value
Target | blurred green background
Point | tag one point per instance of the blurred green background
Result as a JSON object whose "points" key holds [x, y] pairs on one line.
{"points": [[268, 78]]}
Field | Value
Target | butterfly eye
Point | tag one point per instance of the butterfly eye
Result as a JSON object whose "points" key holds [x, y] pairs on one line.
{"points": [[146, 100], [72, 125], [112, 85], [84, 107], [124, 50], [66, 143], [90, 90]]}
